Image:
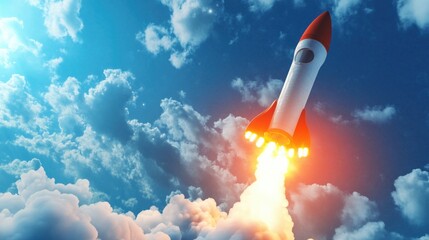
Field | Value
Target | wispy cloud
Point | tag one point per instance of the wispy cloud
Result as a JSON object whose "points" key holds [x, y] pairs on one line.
{"points": [[254, 91], [375, 114], [13, 41], [260, 5]]}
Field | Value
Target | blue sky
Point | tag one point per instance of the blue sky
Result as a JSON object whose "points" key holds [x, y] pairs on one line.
{"points": [[127, 114]]}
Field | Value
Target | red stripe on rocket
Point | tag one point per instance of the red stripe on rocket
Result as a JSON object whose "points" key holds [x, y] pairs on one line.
{"points": [[284, 121]]}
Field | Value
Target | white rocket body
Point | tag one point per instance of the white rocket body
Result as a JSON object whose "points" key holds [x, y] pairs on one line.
{"points": [[297, 87], [284, 121]]}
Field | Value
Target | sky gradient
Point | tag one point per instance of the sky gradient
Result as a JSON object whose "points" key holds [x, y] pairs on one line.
{"points": [[130, 116]]}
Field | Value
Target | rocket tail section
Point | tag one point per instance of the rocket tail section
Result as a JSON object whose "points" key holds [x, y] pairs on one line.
{"points": [[301, 136], [259, 125]]}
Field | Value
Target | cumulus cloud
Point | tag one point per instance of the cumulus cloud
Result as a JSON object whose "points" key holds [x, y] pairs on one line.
{"points": [[155, 38], [194, 151], [253, 91], [204, 153], [18, 167], [413, 12], [191, 24], [57, 215], [192, 20], [108, 100], [375, 114], [178, 59], [36, 180], [369, 231], [260, 5], [49, 210], [13, 41], [411, 195], [43, 209], [61, 17], [64, 100], [343, 216]]}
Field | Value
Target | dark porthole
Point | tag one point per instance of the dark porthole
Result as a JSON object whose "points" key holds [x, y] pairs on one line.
{"points": [[304, 55]]}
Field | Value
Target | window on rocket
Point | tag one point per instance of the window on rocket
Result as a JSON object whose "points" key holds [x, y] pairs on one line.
{"points": [[304, 55]]}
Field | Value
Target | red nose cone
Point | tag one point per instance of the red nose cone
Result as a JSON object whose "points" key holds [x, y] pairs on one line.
{"points": [[320, 30]]}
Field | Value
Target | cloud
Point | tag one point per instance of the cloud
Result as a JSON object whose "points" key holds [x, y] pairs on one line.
{"points": [[413, 12], [52, 66], [61, 17], [195, 218], [375, 114], [18, 109], [254, 91], [108, 100], [192, 20], [180, 149], [13, 41], [342, 9], [369, 231], [312, 221], [50, 210], [18, 167], [204, 153], [57, 215], [260, 5], [155, 38], [43, 209], [64, 100], [36, 180], [111, 225], [178, 59], [411, 195], [191, 24], [343, 216]]}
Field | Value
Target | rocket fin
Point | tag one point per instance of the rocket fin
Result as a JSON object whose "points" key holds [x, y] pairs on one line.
{"points": [[301, 136], [260, 123]]}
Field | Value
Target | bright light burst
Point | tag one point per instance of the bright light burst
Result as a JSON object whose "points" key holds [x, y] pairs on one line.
{"points": [[265, 200]]}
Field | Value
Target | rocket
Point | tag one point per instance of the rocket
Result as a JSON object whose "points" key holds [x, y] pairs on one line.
{"points": [[284, 121]]}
